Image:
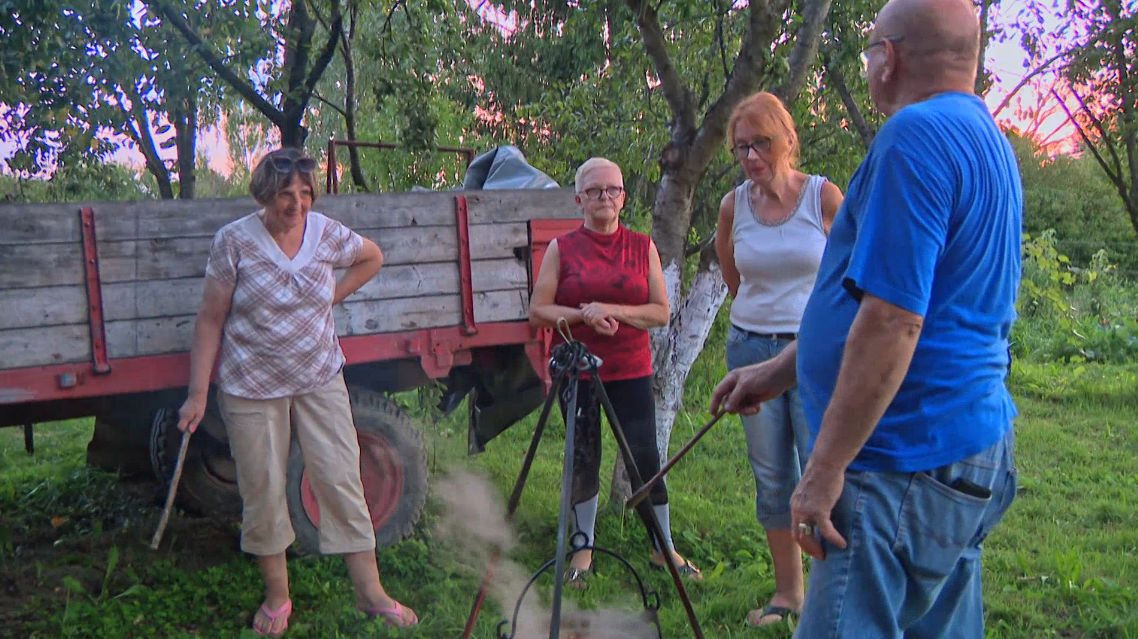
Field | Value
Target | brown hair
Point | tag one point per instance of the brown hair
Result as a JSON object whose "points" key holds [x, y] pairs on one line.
{"points": [[765, 113], [267, 180]]}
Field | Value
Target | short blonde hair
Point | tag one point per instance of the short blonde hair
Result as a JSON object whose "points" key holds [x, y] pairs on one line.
{"points": [[589, 165], [765, 113], [268, 180]]}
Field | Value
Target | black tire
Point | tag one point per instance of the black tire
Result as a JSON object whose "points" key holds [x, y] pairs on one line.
{"points": [[120, 441], [393, 463], [208, 486]]}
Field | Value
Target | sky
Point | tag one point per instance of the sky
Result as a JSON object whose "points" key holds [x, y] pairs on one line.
{"points": [[1006, 60]]}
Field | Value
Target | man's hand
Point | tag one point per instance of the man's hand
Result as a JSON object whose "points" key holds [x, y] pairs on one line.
{"points": [[745, 389], [811, 504]]}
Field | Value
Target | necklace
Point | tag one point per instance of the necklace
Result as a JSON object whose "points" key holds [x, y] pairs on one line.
{"points": [[784, 219]]}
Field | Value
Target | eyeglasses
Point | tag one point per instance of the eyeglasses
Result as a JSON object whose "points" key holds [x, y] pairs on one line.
{"points": [[596, 192], [864, 55], [285, 164], [759, 146]]}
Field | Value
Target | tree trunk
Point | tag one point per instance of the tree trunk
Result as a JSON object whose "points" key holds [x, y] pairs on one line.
{"points": [[982, 82], [350, 100], [185, 117], [138, 129]]}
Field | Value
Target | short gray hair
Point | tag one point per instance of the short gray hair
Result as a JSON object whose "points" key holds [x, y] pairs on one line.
{"points": [[590, 164], [267, 180]]}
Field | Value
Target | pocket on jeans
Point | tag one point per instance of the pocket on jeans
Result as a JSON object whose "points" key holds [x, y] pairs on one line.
{"points": [[938, 522]]}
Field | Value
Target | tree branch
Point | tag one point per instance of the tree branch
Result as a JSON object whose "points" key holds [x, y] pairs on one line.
{"points": [[205, 51], [1081, 49], [335, 107], [679, 96], [805, 49], [301, 27], [329, 51], [838, 81], [749, 67], [1087, 140], [1106, 140]]}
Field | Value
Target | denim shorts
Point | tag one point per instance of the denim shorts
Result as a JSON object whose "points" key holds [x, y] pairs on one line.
{"points": [[911, 565], [777, 438]]}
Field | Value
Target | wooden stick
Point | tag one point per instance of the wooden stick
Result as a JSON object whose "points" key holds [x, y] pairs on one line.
{"points": [[173, 490], [642, 492]]}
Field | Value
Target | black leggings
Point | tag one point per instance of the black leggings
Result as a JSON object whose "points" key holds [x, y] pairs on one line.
{"points": [[636, 410]]}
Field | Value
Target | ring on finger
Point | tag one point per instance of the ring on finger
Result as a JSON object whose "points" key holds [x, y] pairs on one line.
{"points": [[806, 530]]}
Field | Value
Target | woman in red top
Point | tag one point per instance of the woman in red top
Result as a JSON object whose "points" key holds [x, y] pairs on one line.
{"points": [[607, 283]]}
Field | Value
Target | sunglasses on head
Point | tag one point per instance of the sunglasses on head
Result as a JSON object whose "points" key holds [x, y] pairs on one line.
{"points": [[285, 164]]}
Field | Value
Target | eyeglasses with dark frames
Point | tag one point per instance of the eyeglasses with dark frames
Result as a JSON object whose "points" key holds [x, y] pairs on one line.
{"points": [[759, 146], [595, 193]]}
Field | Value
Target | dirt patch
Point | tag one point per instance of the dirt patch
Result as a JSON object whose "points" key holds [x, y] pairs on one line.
{"points": [[46, 562]]}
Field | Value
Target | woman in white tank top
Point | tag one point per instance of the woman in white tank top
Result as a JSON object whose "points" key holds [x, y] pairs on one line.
{"points": [[772, 231]]}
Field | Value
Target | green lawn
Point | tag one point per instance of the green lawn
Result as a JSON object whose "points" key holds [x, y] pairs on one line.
{"points": [[74, 560]]}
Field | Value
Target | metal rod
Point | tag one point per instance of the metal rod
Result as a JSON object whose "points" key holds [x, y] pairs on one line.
{"points": [[566, 497], [29, 440], [643, 491], [331, 163]]}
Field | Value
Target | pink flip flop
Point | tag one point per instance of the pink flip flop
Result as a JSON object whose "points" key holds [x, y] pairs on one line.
{"points": [[285, 609], [393, 614]]}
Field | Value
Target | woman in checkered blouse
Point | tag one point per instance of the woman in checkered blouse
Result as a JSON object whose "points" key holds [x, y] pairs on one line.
{"points": [[266, 315]]}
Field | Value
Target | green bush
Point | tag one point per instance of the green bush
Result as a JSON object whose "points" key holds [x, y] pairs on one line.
{"points": [[1069, 313]]}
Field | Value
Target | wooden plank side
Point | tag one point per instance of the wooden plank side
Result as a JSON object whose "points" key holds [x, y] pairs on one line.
{"points": [[40, 265], [22, 224], [44, 346], [62, 305], [365, 317], [174, 258], [488, 207]]}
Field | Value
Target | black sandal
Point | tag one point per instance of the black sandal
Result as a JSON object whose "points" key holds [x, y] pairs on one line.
{"points": [[781, 611]]}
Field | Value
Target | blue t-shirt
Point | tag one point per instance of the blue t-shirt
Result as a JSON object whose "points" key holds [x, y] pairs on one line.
{"points": [[931, 223]]}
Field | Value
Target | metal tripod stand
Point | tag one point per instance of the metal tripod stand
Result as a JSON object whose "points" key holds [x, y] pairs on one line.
{"points": [[569, 360]]}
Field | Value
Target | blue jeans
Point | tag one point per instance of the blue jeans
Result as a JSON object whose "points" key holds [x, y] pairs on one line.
{"points": [[911, 566], [777, 438]]}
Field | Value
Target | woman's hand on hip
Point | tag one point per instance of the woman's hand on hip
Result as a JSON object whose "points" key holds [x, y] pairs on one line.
{"points": [[191, 413]]}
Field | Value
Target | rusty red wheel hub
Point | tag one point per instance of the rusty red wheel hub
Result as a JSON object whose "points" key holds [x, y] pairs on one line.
{"points": [[382, 477]]}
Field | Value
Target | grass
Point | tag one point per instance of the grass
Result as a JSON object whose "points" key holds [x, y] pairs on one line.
{"points": [[1064, 563]]}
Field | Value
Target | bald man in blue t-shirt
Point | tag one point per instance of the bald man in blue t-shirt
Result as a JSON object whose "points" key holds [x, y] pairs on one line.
{"points": [[902, 353]]}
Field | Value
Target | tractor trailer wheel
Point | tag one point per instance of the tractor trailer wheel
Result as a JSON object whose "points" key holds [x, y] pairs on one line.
{"points": [[393, 467]]}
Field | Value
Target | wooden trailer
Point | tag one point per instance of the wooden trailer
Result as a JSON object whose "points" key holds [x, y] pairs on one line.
{"points": [[97, 310]]}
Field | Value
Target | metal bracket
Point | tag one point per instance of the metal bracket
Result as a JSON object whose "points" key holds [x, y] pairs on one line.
{"points": [[102, 365], [466, 279], [437, 353]]}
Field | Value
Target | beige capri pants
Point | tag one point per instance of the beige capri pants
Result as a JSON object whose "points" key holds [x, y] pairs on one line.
{"points": [[260, 433]]}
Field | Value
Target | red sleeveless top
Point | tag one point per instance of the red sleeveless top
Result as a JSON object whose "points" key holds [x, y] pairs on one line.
{"points": [[611, 269]]}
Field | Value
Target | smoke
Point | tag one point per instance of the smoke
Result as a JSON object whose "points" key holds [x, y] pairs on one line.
{"points": [[474, 524]]}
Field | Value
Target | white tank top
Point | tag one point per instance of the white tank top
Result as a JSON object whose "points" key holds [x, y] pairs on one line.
{"points": [[777, 264]]}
